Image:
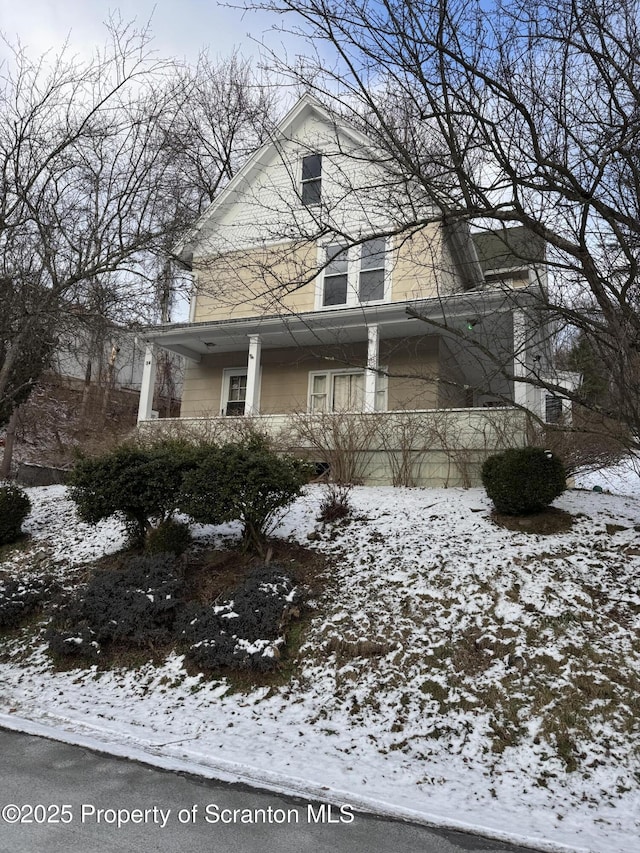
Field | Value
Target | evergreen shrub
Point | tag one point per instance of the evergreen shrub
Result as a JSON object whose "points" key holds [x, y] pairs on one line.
{"points": [[169, 537], [20, 598], [246, 631], [15, 506], [140, 483], [523, 480], [246, 481], [135, 605]]}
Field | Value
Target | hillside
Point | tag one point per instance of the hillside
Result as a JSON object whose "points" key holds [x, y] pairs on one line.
{"points": [[455, 672], [61, 416]]}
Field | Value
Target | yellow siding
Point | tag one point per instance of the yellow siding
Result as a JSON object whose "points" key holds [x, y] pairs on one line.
{"points": [[412, 363], [413, 368], [255, 282], [422, 266]]}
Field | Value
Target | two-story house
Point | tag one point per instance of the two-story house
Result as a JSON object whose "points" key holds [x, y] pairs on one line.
{"points": [[314, 297]]}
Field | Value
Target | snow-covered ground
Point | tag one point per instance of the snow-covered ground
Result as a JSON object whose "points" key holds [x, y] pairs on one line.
{"points": [[457, 673]]}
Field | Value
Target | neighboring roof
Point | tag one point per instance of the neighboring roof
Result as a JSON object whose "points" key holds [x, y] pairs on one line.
{"points": [[508, 248]]}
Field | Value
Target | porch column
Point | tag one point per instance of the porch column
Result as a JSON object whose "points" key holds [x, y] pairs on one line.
{"points": [[252, 402], [524, 394], [371, 374], [147, 386]]}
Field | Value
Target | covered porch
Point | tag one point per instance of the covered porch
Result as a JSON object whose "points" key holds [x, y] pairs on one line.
{"points": [[463, 352]]}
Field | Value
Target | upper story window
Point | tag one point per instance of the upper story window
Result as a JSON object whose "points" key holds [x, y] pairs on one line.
{"points": [[354, 275], [336, 275], [311, 179], [371, 278]]}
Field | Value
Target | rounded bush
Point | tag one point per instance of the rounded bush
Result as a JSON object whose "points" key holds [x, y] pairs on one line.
{"points": [[15, 506], [141, 483], [246, 481], [523, 480]]}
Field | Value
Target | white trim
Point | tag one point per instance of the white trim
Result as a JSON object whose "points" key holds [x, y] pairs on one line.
{"points": [[524, 394], [227, 373], [193, 298], [252, 399], [353, 274], [381, 391], [371, 373], [147, 386]]}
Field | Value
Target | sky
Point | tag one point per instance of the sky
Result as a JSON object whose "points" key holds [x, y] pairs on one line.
{"points": [[181, 28]]}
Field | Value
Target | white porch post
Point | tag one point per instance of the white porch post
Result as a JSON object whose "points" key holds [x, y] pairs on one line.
{"points": [[147, 386], [252, 403], [371, 374], [524, 394]]}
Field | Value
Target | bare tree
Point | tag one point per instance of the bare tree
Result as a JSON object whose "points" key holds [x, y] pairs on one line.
{"points": [[498, 115], [83, 196], [228, 115]]}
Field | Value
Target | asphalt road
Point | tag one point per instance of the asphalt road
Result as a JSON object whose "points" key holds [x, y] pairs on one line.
{"points": [[56, 798]]}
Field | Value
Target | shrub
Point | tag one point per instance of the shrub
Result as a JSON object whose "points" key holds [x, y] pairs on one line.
{"points": [[246, 631], [523, 480], [336, 504], [20, 598], [135, 605], [245, 481], [14, 508], [142, 484], [170, 537]]}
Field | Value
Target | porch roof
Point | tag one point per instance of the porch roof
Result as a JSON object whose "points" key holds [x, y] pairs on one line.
{"points": [[344, 325]]}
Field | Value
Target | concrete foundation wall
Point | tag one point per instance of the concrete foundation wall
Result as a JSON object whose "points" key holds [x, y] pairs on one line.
{"points": [[436, 448]]}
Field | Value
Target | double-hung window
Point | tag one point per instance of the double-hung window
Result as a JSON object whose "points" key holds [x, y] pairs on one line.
{"points": [[343, 391], [354, 275], [371, 275], [336, 276], [311, 179], [234, 391]]}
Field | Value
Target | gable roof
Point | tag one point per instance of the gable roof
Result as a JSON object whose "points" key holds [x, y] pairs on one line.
{"points": [[306, 106]]}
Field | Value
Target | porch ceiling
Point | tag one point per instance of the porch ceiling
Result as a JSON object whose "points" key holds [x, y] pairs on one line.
{"points": [[345, 325]]}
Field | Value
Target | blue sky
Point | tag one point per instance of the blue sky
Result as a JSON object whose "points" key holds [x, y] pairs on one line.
{"points": [[181, 28]]}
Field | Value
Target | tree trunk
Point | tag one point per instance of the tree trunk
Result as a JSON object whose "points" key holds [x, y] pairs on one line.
{"points": [[9, 442]]}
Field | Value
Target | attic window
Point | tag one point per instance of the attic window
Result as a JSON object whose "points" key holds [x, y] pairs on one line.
{"points": [[311, 179]]}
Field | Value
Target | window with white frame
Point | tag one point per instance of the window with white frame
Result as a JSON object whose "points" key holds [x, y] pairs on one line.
{"points": [[371, 275], [336, 275], [354, 275], [553, 409], [343, 391], [311, 188], [234, 391]]}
